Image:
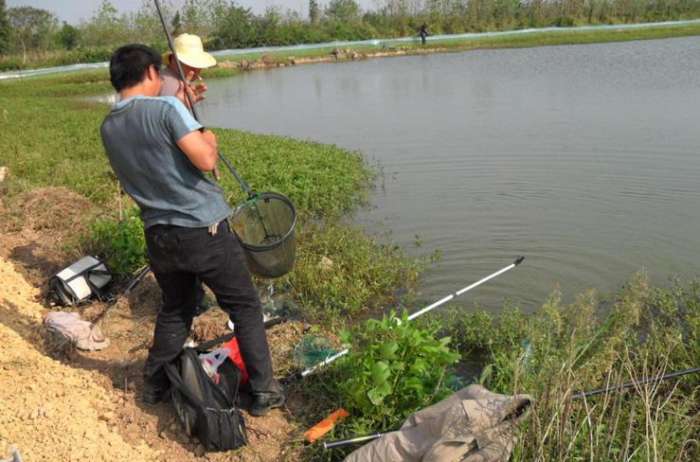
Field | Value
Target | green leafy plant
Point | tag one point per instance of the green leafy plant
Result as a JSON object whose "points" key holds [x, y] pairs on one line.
{"points": [[395, 369], [120, 243]]}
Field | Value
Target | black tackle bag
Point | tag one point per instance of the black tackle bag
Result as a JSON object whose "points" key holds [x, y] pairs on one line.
{"points": [[207, 410]]}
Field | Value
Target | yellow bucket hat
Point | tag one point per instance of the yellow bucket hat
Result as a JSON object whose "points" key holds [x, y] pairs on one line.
{"points": [[190, 51]]}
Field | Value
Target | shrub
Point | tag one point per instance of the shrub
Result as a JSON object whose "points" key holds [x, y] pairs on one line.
{"points": [[120, 243], [394, 369]]}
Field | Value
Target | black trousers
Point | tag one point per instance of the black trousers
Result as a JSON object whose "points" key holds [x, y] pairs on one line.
{"points": [[182, 257]]}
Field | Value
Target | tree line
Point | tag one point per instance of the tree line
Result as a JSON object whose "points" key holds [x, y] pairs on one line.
{"points": [[28, 33]]}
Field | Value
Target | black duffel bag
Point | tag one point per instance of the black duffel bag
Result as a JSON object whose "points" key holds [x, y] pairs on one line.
{"points": [[207, 410]]}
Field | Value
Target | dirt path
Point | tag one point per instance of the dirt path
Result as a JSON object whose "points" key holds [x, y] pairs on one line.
{"points": [[50, 411], [78, 406]]}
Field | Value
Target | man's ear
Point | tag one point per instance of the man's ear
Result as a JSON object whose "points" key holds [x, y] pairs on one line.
{"points": [[153, 73]]}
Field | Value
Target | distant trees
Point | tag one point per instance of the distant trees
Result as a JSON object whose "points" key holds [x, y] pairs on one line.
{"points": [[32, 28], [106, 27], [235, 28], [69, 36], [343, 10], [4, 28], [26, 31], [314, 12], [176, 24]]}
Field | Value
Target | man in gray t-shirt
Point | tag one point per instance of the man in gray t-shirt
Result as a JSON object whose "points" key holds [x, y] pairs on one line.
{"points": [[159, 154], [141, 136]]}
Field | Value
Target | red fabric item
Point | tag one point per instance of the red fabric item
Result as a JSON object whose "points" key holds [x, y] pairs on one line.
{"points": [[237, 359]]}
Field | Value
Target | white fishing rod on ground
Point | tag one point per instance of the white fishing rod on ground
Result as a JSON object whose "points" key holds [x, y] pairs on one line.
{"points": [[418, 313]]}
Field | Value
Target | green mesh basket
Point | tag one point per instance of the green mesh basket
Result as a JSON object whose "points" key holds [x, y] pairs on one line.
{"points": [[265, 226]]}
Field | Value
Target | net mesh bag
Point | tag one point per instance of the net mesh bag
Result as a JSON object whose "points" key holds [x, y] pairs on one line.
{"points": [[265, 226], [312, 350]]}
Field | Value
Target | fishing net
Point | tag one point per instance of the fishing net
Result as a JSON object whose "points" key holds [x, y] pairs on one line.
{"points": [[265, 226], [312, 350]]}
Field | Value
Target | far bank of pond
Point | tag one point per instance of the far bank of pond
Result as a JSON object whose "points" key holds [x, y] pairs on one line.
{"points": [[269, 57], [345, 51]]}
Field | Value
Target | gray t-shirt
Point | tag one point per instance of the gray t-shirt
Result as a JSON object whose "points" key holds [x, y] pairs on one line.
{"points": [[140, 136]]}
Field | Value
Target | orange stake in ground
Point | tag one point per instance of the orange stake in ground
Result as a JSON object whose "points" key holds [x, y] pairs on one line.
{"points": [[326, 425]]}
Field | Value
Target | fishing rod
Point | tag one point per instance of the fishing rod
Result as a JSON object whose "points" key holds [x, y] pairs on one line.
{"points": [[138, 277], [244, 185], [418, 313], [624, 386], [635, 383]]}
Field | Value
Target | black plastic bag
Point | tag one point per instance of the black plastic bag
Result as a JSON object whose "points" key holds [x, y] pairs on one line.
{"points": [[207, 410]]}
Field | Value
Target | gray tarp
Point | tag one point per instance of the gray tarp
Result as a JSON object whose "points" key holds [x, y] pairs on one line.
{"points": [[472, 425]]}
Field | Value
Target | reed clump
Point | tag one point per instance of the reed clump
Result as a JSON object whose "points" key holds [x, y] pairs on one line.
{"points": [[592, 343]]}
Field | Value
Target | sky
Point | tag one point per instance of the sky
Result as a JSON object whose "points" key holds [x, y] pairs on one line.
{"points": [[73, 11]]}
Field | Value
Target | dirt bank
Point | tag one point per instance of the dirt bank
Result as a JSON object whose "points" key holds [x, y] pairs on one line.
{"points": [[51, 411], [77, 406]]}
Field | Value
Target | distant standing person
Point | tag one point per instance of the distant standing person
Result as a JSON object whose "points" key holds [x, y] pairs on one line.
{"points": [[190, 52], [423, 33]]}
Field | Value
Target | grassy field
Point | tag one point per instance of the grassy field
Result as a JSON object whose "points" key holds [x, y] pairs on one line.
{"points": [[50, 138]]}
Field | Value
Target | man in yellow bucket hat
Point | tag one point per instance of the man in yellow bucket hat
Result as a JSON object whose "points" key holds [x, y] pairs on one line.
{"points": [[193, 58], [191, 54]]}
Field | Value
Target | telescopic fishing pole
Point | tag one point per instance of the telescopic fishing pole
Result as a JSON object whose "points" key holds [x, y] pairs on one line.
{"points": [[246, 188], [418, 313], [670, 375], [634, 383]]}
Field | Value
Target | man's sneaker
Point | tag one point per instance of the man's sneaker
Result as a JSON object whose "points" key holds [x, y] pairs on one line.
{"points": [[264, 402], [153, 394]]}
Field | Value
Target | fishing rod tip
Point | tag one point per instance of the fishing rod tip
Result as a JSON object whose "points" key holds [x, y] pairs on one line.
{"points": [[519, 260]]}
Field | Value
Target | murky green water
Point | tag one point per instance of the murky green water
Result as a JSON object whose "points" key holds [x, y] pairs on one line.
{"points": [[586, 159]]}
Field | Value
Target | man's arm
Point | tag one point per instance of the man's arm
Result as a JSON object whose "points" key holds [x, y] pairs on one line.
{"points": [[201, 149]]}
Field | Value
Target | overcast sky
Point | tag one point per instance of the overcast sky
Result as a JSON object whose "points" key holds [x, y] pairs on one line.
{"points": [[75, 10]]}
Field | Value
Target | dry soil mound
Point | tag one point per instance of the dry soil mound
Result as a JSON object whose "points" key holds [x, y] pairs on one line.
{"points": [[49, 411]]}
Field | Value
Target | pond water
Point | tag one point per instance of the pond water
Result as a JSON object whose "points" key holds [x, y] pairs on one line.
{"points": [[586, 159]]}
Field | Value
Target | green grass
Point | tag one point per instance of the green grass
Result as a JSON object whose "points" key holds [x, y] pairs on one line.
{"points": [[322, 180], [50, 137], [641, 331]]}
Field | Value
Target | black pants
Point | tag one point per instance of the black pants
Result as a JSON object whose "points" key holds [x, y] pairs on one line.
{"points": [[182, 257]]}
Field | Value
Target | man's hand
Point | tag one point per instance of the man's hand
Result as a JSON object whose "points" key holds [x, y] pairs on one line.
{"points": [[199, 91], [185, 94], [195, 92]]}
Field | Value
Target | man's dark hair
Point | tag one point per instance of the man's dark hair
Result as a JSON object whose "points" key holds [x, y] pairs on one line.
{"points": [[129, 64]]}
